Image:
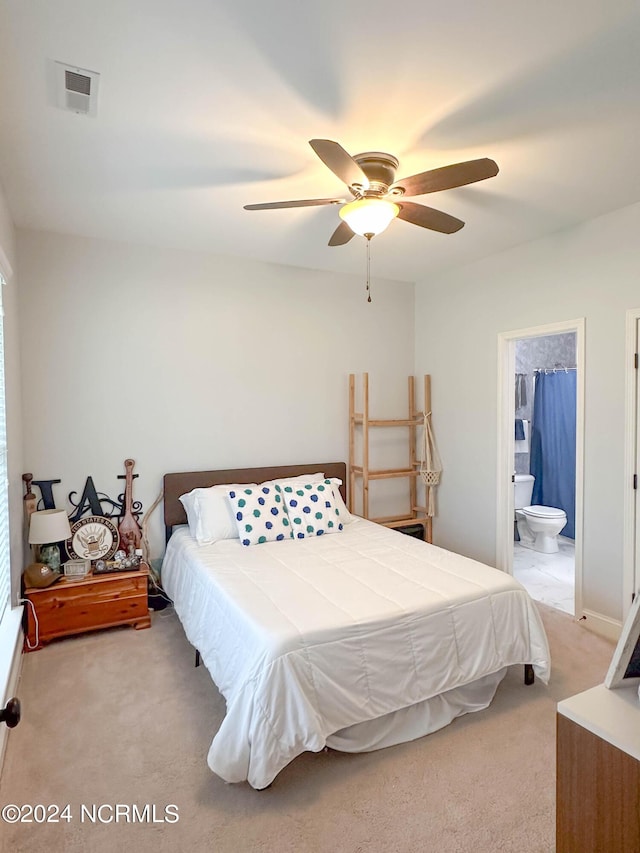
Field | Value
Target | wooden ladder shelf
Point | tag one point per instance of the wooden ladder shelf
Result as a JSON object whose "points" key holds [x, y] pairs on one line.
{"points": [[417, 514]]}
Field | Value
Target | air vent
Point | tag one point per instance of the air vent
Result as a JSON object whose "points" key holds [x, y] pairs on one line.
{"points": [[77, 89]]}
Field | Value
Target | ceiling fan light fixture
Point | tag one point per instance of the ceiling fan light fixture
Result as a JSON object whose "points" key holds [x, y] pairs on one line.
{"points": [[368, 216]]}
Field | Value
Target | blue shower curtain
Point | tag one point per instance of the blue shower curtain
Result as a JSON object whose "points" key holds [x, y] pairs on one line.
{"points": [[553, 444]]}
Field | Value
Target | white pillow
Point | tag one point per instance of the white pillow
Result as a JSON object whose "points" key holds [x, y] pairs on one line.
{"points": [[312, 509], [345, 515], [260, 514], [209, 513], [303, 478]]}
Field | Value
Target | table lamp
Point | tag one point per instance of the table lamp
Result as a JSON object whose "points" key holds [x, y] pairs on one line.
{"points": [[47, 527]]}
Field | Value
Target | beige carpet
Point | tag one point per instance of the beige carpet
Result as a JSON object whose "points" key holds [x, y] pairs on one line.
{"points": [[123, 717]]}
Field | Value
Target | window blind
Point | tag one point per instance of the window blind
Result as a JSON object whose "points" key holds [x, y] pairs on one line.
{"points": [[5, 573]]}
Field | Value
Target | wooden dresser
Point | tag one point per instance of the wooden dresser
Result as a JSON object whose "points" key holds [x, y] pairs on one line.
{"points": [[72, 606], [598, 772]]}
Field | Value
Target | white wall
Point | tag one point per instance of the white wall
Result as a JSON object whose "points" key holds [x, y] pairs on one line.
{"points": [[186, 361], [591, 271]]}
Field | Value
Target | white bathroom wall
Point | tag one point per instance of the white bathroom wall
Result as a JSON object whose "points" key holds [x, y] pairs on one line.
{"points": [[189, 361], [591, 271]]}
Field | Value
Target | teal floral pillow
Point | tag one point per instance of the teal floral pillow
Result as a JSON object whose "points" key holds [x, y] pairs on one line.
{"points": [[312, 509], [260, 514]]}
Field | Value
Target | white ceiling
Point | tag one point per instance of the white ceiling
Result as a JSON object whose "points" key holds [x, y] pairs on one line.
{"points": [[207, 105]]}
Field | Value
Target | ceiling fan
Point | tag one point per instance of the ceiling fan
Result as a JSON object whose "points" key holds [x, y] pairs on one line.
{"points": [[378, 197]]}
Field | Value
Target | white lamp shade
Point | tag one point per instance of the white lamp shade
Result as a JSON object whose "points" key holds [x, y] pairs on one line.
{"points": [[368, 215], [47, 526]]}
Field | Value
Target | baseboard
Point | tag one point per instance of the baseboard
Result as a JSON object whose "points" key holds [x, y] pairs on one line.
{"points": [[602, 625], [11, 686]]}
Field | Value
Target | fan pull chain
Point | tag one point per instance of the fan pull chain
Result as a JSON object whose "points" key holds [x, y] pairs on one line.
{"points": [[368, 236]]}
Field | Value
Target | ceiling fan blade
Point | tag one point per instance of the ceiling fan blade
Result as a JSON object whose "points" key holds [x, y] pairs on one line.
{"points": [[448, 177], [304, 202], [340, 162], [427, 217], [341, 235]]}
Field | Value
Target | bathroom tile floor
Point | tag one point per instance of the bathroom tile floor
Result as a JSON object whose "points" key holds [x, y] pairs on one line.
{"points": [[549, 578]]}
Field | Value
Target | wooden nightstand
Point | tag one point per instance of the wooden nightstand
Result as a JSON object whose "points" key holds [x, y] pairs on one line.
{"points": [[72, 606]]}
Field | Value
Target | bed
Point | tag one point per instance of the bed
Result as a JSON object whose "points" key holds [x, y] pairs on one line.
{"points": [[357, 640]]}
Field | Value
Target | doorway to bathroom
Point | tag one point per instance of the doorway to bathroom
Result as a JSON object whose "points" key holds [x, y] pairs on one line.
{"points": [[540, 441]]}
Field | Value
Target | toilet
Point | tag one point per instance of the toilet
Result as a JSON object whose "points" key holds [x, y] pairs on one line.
{"points": [[538, 526]]}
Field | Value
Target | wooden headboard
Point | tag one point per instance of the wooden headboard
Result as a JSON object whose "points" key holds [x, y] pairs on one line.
{"points": [[180, 483]]}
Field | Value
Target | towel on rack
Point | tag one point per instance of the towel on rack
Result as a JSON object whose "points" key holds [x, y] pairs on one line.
{"points": [[519, 429], [522, 444], [521, 390]]}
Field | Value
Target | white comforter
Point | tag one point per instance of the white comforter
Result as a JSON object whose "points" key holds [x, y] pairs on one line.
{"points": [[307, 637]]}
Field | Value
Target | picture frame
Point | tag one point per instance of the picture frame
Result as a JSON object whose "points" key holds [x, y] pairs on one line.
{"points": [[624, 670], [76, 568]]}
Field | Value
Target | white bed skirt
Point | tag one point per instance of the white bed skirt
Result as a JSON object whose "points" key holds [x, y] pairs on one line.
{"points": [[418, 720]]}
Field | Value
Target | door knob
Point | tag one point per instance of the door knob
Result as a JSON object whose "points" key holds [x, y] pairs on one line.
{"points": [[11, 713]]}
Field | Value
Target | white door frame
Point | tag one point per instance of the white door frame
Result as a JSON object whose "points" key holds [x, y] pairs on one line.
{"points": [[631, 428], [506, 448]]}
